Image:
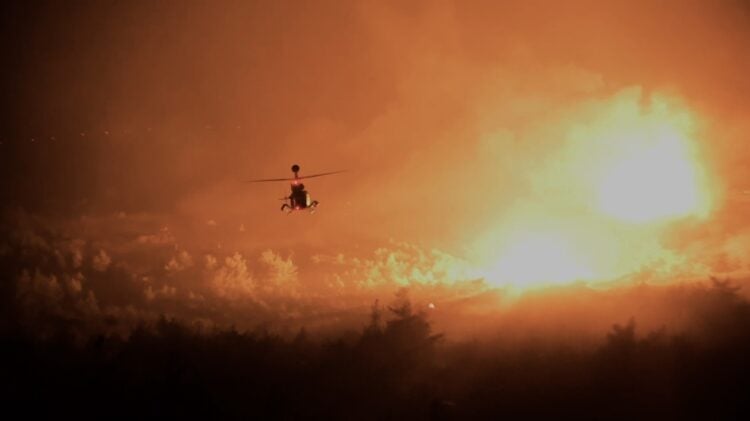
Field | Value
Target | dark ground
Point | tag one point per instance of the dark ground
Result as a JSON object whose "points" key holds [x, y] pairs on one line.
{"points": [[395, 368]]}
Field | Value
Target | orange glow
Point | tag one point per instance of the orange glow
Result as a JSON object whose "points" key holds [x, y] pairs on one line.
{"points": [[652, 172], [538, 257], [492, 150], [624, 173]]}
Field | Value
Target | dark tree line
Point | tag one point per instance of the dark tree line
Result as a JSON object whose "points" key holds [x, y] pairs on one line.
{"points": [[396, 367]]}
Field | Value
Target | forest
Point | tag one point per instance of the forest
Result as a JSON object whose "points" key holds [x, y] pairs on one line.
{"points": [[394, 367]]}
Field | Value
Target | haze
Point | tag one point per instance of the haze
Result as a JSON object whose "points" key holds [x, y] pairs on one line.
{"points": [[527, 167]]}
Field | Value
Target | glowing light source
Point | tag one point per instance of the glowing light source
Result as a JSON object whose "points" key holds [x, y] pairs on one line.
{"points": [[654, 179], [539, 258], [600, 199]]}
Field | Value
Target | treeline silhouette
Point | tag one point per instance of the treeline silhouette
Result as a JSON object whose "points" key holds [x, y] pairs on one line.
{"points": [[396, 367]]}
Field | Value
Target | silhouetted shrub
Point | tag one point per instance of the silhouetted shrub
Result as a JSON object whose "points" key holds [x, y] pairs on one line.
{"points": [[395, 367]]}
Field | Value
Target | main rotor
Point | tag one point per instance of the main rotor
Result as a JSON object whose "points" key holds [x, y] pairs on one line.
{"points": [[297, 177]]}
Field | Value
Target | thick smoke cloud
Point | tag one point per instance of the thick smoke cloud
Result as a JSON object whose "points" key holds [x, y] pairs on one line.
{"points": [[129, 128], [466, 265], [57, 282], [120, 275]]}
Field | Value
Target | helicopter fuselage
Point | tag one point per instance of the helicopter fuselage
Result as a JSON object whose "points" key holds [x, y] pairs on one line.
{"points": [[299, 199]]}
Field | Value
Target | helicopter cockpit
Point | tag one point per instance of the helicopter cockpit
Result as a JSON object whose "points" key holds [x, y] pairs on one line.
{"points": [[299, 197]]}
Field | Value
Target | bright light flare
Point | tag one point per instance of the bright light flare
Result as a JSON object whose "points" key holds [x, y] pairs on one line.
{"points": [[539, 258], [656, 177], [623, 171]]}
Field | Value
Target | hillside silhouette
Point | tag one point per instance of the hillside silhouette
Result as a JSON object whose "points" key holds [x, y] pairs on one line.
{"points": [[395, 367]]}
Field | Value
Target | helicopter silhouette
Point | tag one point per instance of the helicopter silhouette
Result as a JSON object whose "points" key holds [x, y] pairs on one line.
{"points": [[299, 198]]}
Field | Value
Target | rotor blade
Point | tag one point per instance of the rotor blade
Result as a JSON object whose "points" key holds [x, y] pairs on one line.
{"points": [[321, 174], [268, 179]]}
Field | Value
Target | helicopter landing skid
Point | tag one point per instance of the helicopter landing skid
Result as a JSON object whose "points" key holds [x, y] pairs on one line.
{"points": [[289, 209]]}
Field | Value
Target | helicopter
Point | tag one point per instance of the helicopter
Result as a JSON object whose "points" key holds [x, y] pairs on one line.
{"points": [[299, 198]]}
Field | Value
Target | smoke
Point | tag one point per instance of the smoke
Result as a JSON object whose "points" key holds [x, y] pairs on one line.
{"points": [[477, 138], [545, 202]]}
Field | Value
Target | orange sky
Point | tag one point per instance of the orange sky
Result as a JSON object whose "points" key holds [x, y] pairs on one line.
{"points": [[473, 126], [527, 144]]}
